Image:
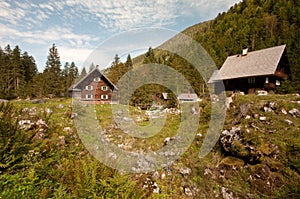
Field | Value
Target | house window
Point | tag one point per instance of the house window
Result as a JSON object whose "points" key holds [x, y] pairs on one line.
{"points": [[267, 80], [97, 79], [89, 96], [89, 87], [104, 88], [104, 97], [277, 83], [251, 80]]}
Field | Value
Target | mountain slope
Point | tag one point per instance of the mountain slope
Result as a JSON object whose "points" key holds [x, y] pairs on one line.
{"points": [[255, 24]]}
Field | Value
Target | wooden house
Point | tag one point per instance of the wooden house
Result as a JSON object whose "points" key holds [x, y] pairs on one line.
{"points": [[251, 71], [95, 87]]}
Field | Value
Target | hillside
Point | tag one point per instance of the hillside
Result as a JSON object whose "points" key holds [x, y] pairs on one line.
{"points": [[255, 24], [258, 154]]}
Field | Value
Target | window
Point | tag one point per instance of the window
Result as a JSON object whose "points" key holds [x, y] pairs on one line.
{"points": [[97, 79], [104, 97], [251, 80], [277, 83], [89, 87], [104, 88], [267, 80], [89, 96]]}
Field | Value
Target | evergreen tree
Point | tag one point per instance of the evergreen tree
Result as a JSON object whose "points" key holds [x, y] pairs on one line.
{"points": [[53, 73], [83, 73], [92, 66]]}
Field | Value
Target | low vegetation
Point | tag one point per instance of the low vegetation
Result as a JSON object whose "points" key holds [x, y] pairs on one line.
{"points": [[42, 155]]}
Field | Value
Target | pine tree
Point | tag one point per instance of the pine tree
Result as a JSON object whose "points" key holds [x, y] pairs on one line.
{"points": [[53, 73], [92, 66], [83, 73]]}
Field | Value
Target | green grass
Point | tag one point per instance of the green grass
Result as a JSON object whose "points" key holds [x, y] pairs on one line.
{"points": [[49, 170]]}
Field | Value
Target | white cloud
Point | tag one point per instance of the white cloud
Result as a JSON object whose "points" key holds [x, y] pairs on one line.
{"points": [[69, 54], [68, 22]]}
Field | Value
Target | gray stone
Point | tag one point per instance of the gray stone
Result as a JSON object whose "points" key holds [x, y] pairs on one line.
{"points": [[295, 112]]}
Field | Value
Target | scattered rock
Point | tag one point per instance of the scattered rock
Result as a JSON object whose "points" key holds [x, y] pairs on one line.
{"points": [[188, 191], [295, 112], [38, 101], [244, 109], [185, 171], [226, 194], [151, 186], [48, 110], [262, 118], [289, 122], [68, 129], [262, 93], [61, 106], [73, 115], [229, 101], [62, 141], [207, 171], [25, 124], [3, 100], [283, 111], [168, 140]]}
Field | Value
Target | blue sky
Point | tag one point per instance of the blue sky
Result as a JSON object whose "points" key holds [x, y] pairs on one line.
{"points": [[78, 27]]}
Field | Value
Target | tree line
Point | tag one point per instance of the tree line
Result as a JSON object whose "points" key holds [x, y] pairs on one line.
{"points": [[19, 76]]}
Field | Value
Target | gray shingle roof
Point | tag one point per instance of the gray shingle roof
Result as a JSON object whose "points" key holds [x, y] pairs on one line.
{"points": [[256, 63], [188, 97]]}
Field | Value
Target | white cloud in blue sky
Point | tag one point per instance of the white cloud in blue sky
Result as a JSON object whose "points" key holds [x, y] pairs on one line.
{"points": [[77, 27]]}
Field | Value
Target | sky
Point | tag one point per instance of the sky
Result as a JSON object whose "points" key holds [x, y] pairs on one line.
{"points": [[80, 27]]}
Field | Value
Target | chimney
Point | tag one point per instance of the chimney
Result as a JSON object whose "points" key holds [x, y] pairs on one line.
{"points": [[245, 52]]}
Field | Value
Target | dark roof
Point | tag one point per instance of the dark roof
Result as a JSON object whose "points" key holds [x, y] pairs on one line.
{"points": [[92, 71], [256, 63]]}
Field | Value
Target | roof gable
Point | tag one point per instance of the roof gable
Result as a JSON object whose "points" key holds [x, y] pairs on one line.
{"points": [[98, 74], [256, 63]]}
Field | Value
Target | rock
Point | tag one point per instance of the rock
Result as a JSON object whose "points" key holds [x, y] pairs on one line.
{"points": [[168, 140], [48, 110], [155, 188], [207, 171], [3, 100], [151, 185], [268, 109], [185, 171], [295, 112], [62, 141], [41, 124], [226, 194], [61, 106], [38, 101], [229, 100], [25, 124], [262, 118], [262, 93], [68, 129], [73, 115], [188, 191], [248, 117], [283, 111], [289, 122]]}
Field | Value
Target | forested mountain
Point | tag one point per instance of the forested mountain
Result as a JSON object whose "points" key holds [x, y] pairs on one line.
{"points": [[255, 24], [252, 24], [19, 76]]}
